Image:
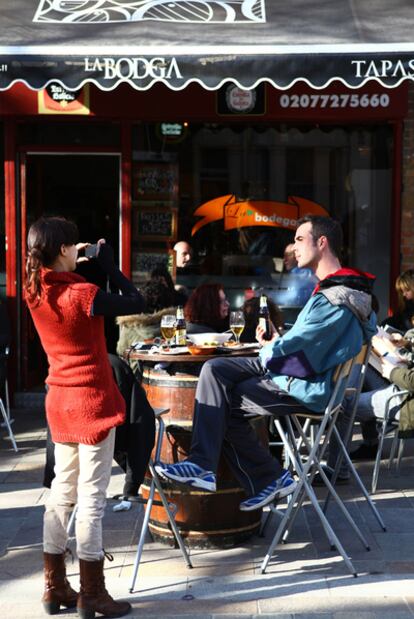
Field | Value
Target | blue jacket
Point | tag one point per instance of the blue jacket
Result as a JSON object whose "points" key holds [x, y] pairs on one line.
{"points": [[330, 329]]}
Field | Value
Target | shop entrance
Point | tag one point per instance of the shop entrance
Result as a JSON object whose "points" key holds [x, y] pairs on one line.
{"points": [[83, 187]]}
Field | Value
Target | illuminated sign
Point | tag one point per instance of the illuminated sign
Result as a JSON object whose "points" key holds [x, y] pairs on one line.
{"points": [[56, 99], [171, 129], [245, 213]]}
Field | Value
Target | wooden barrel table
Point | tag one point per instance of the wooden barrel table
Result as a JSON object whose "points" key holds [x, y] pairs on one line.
{"points": [[205, 519]]}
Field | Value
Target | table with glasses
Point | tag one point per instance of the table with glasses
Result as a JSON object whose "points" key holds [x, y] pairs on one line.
{"points": [[205, 519]]}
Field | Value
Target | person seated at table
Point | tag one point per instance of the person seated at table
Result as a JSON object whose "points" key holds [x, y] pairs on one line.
{"points": [[250, 310], [293, 372], [378, 387], [207, 310], [146, 326], [403, 318]]}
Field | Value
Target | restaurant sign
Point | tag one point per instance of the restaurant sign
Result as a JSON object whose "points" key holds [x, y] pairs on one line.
{"points": [[55, 99], [245, 213], [133, 68]]}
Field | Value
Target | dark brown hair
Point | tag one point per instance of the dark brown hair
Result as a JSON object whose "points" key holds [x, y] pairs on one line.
{"points": [[46, 237], [203, 306], [251, 309]]}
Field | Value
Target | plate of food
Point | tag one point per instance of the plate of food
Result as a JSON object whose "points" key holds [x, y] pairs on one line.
{"points": [[173, 350], [232, 345], [207, 349], [209, 339]]}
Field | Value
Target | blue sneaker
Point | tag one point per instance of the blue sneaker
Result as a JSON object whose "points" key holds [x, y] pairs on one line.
{"points": [[187, 472], [276, 490]]}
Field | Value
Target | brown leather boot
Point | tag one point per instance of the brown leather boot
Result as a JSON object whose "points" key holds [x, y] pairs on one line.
{"points": [[93, 596], [58, 591]]}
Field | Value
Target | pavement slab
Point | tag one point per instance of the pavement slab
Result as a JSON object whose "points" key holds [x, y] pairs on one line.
{"points": [[305, 579]]}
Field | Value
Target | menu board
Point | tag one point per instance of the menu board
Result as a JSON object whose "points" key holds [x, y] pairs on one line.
{"points": [[154, 181], [156, 224], [146, 261]]}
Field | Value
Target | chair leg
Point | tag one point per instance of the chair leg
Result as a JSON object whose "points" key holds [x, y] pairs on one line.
{"points": [[8, 426], [307, 487], [278, 535], [400, 454], [156, 485], [170, 515], [6, 392], [393, 449], [344, 455], [72, 520], [297, 465], [330, 426], [142, 535]]}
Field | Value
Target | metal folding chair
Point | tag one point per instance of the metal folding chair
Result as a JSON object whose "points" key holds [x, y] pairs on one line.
{"points": [[396, 440], [306, 467], [169, 508], [5, 410], [155, 485], [362, 361]]}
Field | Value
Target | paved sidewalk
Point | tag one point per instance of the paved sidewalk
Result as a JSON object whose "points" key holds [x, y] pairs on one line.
{"points": [[305, 579]]}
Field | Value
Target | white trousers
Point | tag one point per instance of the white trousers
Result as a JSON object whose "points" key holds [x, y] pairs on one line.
{"points": [[82, 476]]}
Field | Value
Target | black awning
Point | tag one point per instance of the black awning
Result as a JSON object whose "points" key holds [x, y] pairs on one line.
{"points": [[209, 41]]}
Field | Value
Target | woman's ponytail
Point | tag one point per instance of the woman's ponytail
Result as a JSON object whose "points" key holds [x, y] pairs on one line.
{"points": [[33, 286], [44, 240]]}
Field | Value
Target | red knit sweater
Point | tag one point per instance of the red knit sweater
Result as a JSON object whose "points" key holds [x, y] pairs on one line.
{"points": [[83, 402]]}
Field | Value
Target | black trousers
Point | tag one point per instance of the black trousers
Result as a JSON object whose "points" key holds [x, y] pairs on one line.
{"points": [[227, 390]]}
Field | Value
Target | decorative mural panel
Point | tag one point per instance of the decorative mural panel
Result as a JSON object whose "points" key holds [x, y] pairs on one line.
{"points": [[187, 11]]}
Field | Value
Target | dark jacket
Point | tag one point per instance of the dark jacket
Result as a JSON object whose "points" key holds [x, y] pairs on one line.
{"points": [[135, 439]]}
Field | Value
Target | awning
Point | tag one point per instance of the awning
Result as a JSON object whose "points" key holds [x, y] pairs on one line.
{"points": [[206, 41]]}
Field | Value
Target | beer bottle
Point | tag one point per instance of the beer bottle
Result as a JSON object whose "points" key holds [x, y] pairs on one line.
{"points": [[180, 328], [264, 320]]}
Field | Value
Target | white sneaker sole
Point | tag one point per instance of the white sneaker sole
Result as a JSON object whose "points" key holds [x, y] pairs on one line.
{"points": [[194, 482], [277, 494]]}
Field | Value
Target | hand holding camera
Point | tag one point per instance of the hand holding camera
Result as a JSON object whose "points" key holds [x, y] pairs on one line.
{"points": [[91, 251], [100, 251]]}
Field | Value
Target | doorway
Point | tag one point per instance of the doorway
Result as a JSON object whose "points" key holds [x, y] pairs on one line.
{"points": [[83, 187]]}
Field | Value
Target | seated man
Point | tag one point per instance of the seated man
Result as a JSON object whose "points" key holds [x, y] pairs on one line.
{"points": [[377, 390], [293, 372]]}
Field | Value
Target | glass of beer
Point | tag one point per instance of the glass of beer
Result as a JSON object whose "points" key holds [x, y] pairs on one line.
{"points": [[237, 324], [168, 328]]}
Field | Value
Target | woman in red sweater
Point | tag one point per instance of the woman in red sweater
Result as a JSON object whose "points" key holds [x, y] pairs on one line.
{"points": [[83, 405]]}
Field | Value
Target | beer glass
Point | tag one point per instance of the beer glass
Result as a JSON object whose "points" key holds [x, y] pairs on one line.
{"points": [[237, 324], [168, 328]]}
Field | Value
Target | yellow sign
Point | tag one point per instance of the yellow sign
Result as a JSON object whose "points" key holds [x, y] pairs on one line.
{"points": [[246, 213], [55, 99]]}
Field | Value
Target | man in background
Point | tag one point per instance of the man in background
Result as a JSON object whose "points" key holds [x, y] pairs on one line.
{"points": [[183, 254]]}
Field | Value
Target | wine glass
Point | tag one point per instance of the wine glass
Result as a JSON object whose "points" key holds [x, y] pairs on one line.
{"points": [[237, 324], [168, 327]]}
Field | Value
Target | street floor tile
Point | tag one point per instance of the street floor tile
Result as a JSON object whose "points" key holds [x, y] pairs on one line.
{"points": [[305, 578]]}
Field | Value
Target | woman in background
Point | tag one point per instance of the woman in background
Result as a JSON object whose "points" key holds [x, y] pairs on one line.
{"points": [[403, 319], [83, 405], [143, 327], [207, 310], [250, 310]]}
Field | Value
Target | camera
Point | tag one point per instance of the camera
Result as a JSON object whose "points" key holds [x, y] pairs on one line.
{"points": [[91, 251]]}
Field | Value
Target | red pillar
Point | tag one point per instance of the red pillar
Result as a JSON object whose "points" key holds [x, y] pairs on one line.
{"points": [[126, 170], [395, 262]]}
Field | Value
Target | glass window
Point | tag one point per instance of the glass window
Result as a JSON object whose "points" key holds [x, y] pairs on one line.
{"points": [[2, 220], [255, 174], [89, 133]]}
